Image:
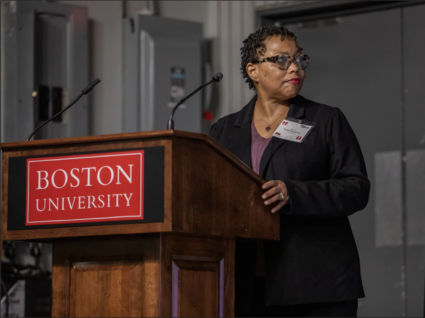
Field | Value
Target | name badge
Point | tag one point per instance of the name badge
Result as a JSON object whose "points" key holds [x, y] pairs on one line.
{"points": [[293, 129]]}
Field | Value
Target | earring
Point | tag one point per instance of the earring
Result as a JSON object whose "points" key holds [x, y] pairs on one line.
{"points": [[256, 78]]}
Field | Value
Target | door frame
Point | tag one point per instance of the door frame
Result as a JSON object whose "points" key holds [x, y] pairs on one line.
{"points": [[314, 10]]}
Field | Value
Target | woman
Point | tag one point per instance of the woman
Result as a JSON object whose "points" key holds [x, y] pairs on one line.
{"points": [[314, 270]]}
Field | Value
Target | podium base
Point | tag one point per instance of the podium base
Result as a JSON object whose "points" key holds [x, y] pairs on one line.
{"points": [[146, 275]]}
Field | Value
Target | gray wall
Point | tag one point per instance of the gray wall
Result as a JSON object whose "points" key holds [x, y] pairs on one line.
{"points": [[226, 24], [106, 53]]}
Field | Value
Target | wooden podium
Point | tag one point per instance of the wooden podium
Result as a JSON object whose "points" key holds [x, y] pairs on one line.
{"points": [[181, 266]]}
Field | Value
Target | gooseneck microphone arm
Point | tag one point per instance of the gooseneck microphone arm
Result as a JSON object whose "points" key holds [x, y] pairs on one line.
{"points": [[84, 92], [217, 78]]}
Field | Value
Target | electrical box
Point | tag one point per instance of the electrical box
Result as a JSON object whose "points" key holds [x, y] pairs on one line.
{"points": [[162, 64], [44, 66]]}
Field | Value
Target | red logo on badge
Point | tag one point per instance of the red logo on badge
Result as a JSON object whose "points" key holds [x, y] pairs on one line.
{"points": [[85, 188]]}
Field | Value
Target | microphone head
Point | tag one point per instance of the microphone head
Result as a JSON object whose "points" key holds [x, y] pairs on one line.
{"points": [[218, 77], [91, 86]]}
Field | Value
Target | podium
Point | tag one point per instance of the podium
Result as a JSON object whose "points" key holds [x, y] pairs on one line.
{"points": [[171, 253]]}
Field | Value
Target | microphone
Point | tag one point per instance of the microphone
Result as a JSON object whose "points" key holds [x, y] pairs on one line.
{"points": [[217, 78], [83, 92]]}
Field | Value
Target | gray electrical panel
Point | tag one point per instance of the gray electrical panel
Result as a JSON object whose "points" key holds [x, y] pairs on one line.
{"points": [[162, 64], [44, 66]]}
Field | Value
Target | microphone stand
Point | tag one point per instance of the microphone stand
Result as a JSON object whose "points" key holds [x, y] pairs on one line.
{"points": [[217, 78], [84, 92], [170, 124]]}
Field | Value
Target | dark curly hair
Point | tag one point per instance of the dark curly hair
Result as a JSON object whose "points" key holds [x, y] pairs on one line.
{"points": [[254, 45]]}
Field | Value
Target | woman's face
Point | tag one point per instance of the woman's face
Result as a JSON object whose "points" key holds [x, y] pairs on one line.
{"points": [[273, 81]]}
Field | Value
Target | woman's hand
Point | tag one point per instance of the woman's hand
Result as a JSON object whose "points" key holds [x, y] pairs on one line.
{"points": [[277, 193]]}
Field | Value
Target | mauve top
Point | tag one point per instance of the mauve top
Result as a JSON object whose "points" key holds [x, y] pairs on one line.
{"points": [[258, 145]]}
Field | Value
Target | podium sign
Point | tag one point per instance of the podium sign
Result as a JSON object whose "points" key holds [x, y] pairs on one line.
{"points": [[91, 188]]}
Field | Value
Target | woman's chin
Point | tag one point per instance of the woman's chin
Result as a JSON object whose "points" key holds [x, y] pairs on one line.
{"points": [[289, 94]]}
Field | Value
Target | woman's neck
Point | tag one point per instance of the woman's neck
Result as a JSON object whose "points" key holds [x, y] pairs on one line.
{"points": [[270, 108]]}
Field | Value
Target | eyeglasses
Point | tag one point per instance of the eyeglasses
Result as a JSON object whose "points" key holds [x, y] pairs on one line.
{"points": [[284, 61]]}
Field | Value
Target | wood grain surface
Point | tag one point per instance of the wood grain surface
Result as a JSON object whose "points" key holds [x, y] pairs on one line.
{"points": [[197, 276], [212, 197], [196, 288], [114, 276], [147, 275], [107, 288]]}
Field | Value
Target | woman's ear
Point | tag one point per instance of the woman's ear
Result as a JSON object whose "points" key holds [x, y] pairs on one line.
{"points": [[252, 71]]}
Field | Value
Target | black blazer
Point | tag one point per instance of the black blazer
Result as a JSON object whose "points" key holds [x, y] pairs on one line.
{"points": [[316, 259]]}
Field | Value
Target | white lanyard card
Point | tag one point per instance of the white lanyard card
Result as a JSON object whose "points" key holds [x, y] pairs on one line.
{"points": [[293, 129]]}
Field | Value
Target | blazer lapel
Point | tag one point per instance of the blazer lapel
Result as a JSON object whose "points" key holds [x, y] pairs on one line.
{"points": [[296, 110], [243, 124]]}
